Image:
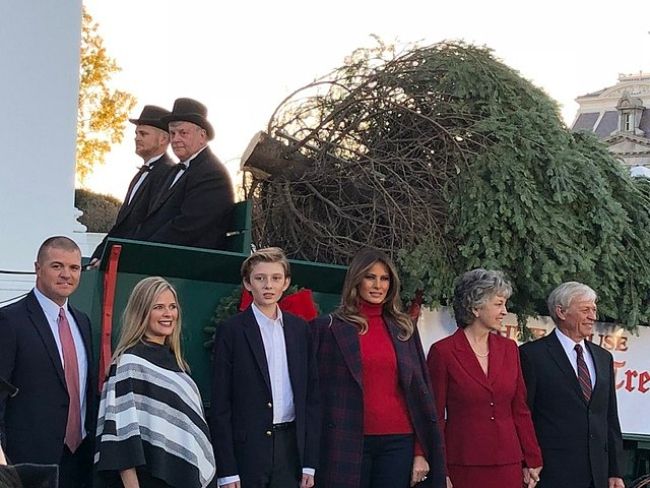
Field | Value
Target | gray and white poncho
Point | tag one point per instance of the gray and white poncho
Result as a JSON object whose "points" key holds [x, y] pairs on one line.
{"points": [[151, 418]]}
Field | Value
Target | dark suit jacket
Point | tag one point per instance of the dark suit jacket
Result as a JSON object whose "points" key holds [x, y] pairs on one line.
{"points": [[336, 344], [32, 424], [195, 211], [579, 440], [488, 422], [242, 410], [132, 214]]}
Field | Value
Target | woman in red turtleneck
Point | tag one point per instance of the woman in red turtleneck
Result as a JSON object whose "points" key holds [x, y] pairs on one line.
{"points": [[379, 423]]}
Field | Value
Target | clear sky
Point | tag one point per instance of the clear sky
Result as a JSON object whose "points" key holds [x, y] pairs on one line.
{"points": [[242, 58]]}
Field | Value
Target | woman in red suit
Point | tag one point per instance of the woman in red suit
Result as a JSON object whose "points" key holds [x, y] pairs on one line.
{"points": [[480, 393]]}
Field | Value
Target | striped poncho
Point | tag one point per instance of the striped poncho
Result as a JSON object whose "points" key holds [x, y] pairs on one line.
{"points": [[151, 418]]}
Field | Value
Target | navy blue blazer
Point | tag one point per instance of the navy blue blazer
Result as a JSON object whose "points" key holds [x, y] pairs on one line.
{"points": [[32, 424], [241, 414], [581, 441]]}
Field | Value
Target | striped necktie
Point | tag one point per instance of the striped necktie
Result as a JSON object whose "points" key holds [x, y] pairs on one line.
{"points": [[583, 373]]}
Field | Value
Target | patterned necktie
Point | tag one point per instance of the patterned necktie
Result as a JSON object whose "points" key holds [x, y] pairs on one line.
{"points": [[71, 369], [583, 374]]}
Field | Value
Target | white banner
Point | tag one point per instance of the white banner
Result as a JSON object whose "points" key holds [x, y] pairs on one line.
{"points": [[631, 353]]}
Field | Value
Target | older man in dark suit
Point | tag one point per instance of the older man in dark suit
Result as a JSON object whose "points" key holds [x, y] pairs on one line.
{"points": [[151, 142], [195, 204], [45, 351], [572, 397]]}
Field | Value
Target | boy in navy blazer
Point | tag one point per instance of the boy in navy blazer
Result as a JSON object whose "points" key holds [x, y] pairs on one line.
{"points": [[265, 416]]}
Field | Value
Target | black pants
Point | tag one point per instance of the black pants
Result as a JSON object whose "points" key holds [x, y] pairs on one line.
{"points": [[75, 470], [286, 470], [387, 461]]}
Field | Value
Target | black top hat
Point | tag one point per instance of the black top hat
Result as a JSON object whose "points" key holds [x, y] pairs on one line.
{"points": [[188, 110], [152, 115]]}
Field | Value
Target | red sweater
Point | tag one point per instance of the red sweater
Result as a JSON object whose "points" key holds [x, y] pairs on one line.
{"points": [[384, 406]]}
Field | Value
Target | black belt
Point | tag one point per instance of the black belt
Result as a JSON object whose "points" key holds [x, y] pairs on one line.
{"points": [[284, 426]]}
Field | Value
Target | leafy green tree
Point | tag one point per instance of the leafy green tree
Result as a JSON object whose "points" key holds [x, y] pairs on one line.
{"points": [[449, 160], [102, 111]]}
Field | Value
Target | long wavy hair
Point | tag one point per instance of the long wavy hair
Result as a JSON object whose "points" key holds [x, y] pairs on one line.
{"points": [[348, 310], [136, 318]]}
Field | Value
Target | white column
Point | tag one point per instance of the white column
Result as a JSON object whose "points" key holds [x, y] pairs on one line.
{"points": [[39, 87]]}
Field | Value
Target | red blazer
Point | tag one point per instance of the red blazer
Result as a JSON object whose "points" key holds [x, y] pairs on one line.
{"points": [[487, 419]]}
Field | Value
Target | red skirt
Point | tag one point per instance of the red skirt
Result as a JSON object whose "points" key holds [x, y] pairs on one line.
{"points": [[502, 476]]}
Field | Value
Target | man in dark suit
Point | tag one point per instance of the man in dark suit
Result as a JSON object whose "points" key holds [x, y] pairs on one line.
{"points": [[196, 201], [46, 352], [572, 397], [151, 142], [265, 410]]}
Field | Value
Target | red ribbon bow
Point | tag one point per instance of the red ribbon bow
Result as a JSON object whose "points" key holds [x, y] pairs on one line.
{"points": [[300, 303]]}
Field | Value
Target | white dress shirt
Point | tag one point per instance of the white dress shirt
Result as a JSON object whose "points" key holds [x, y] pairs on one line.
{"points": [[187, 163], [569, 345], [138, 183], [51, 311]]}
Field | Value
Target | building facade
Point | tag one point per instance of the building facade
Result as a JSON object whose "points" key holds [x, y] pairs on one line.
{"points": [[620, 116]]}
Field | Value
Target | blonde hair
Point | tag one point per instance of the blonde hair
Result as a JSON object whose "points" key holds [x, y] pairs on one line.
{"points": [[348, 310], [266, 255], [135, 318]]}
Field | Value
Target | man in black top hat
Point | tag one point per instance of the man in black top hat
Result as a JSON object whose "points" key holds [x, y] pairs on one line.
{"points": [[195, 204], [151, 142]]}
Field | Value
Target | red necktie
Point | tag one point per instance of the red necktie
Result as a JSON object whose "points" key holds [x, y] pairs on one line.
{"points": [[583, 374], [71, 369]]}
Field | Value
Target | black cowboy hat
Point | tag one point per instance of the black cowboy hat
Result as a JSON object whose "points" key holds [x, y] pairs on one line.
{"points": [[189, 110], [152, 115]]}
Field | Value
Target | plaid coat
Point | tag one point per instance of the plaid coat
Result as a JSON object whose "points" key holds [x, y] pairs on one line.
{"points": [[336, 344]]}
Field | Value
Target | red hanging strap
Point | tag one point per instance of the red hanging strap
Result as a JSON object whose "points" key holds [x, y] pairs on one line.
{"points": [[108, 300]]}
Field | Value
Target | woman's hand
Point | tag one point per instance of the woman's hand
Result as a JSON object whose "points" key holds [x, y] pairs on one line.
{"points": [[129, 478], [3, 460], [531, 476], [420, 470], [449, 483]]}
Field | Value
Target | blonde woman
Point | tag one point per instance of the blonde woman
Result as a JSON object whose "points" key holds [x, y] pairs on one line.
{"points": [[151, 430]]}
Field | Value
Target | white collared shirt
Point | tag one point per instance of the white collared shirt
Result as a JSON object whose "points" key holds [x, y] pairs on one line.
{"points": [[187, 163], [51, 311], [138, 183], [569, 345], [275, 349]]}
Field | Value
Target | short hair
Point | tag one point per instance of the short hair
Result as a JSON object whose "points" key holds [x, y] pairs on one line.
{"points": [[56, 242], [176, 123], [564, 294], [135, 318], [473, 289], [266, 255]]}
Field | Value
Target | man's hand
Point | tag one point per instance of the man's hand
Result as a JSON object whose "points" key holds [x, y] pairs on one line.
{"points": [[307, 481], [616, 483], [420, 470], [94, 263], [234, 484]]}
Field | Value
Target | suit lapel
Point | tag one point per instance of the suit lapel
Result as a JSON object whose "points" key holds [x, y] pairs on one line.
{"points": [[467, 359], [600, 365], [254, 337], [168, 191], [495, 359], [404, 365], [556, 351], [38, 319], [292, 345], [347, 338], [126, 207]]}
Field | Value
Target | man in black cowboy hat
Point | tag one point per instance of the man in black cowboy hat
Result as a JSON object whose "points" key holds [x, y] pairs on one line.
{"points": [[151, 142], [194, 206]]}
